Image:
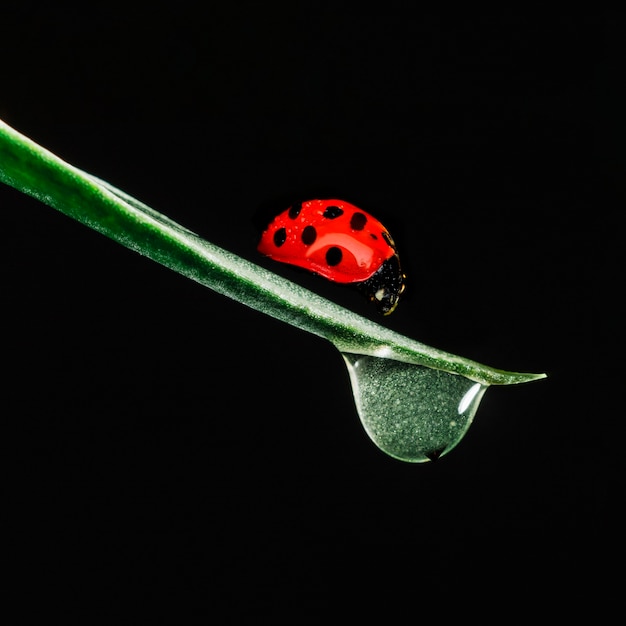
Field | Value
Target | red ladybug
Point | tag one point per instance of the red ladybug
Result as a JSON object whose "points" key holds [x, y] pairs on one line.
{"points": [[340, 242]]}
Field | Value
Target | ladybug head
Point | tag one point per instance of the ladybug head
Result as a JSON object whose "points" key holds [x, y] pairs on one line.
{"points": [[385, 286]]}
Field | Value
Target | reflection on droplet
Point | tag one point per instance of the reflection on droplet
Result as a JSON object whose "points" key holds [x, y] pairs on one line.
{"points": [[411, 412], [468, 398]]}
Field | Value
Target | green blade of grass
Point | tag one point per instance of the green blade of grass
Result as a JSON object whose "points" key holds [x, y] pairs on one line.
{"points": [[33, 170]]}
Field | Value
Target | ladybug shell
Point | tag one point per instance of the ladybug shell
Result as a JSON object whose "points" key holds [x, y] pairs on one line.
{"points": [[332, 238], [340, 242]]}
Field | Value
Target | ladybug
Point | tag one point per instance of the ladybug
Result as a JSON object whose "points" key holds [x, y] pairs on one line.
{"points": [[339, 241]]}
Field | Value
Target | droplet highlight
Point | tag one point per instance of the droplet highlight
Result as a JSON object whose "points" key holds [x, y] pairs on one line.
{"points": [[412, 412]]}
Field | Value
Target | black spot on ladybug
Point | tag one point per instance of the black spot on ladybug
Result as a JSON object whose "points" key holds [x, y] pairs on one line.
{"points": [[333, 256], [294, 210], [358, 221], [280, 236], [309, 235], [373, 236], [389, 240], [332, 212]]}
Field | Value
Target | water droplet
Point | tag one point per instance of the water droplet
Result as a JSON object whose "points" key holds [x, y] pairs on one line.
{"points": [[412, 412]]}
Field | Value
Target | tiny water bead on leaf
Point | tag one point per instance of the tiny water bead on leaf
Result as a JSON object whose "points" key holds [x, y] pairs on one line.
{"points": [[342, 243], [411, 412]]}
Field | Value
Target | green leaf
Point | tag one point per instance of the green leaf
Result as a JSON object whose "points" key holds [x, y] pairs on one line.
{"points": [[97, 204]]}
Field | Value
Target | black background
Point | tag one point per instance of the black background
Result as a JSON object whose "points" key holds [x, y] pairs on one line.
{"points": [[175, 448]]}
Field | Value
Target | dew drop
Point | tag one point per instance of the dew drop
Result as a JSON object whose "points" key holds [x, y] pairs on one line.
{"points": [[412, 412]]}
